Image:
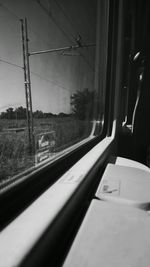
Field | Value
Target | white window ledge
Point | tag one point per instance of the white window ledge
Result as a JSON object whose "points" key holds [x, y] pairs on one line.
{"points": [[19, 237]]}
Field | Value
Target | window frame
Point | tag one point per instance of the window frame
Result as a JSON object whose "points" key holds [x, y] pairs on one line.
{"points": [[99, 147], [26, 179]]}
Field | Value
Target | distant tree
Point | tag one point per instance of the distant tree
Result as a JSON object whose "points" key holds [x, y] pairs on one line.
{"points": [[3, 115], [10, 113], [48, 115], [82, 104], [20, 112], [62, 115], [38, 114]]}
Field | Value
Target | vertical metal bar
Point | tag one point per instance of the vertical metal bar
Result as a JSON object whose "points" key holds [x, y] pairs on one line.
{"points": [[25, 77], [119, 64], [27, 83], [29, 86], [132, 51], [101, 59]]}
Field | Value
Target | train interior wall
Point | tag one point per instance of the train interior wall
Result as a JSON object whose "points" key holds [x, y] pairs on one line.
{"points": [[135, 143]]}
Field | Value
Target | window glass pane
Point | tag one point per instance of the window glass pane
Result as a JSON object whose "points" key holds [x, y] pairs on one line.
{"points": [[47, 104]]}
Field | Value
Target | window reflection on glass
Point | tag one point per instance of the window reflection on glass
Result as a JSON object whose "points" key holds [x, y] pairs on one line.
{"points": [[62, 82]]}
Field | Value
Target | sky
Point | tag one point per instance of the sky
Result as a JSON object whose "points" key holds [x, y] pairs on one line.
{"points": [[54, 77]]}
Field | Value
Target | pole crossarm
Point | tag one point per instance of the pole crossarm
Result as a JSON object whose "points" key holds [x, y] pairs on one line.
{"points": [[66, 48]]}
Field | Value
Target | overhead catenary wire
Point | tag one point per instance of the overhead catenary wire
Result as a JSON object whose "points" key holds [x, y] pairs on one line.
{"points": [[10, 63], [74, 28], [66, 16], [8, 10], [61, 8], [55, 22], [50, 81], [63, 31], [21, 67], [36, 74], [77, 33], [53, 19], [63, 11], [29, 25]]}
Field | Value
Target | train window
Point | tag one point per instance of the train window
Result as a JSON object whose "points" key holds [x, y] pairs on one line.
{"points": [[50, 99]]}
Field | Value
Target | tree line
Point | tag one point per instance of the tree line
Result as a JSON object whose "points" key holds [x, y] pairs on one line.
{"points": [[21, 113], [82, 103]]}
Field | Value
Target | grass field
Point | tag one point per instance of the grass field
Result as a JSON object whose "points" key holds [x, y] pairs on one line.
{"points": [[14, 150]]}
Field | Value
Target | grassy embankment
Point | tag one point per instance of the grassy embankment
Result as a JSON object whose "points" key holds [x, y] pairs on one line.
{"points": [[14, 152]]}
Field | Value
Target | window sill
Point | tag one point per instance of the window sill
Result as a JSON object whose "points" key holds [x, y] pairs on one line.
{"points": [[20, 236]]}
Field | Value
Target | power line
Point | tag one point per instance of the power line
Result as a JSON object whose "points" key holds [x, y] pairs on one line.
{"points": [[50, 81], [18, 18], [21, 67], [10, 11], [53, 19], [61, 8], [34, 73], [55, 22], [18, 66], [74, 28], [63, 31], [10, 63], [66, 16]]}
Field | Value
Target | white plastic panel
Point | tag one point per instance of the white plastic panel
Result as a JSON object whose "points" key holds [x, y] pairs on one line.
{"points": [[131, 163], [125, 185], [111, 235]]}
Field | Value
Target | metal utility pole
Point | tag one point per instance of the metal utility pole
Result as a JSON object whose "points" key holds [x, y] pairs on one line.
{"points": [[27, 83]]}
